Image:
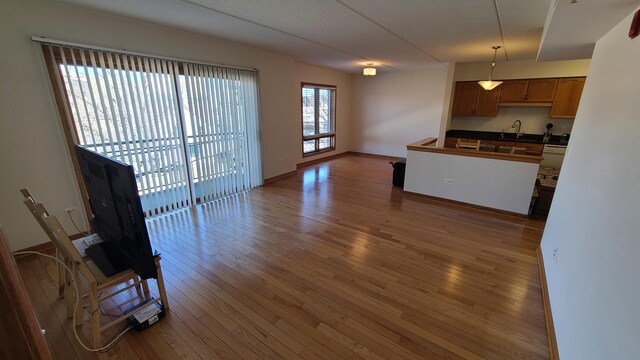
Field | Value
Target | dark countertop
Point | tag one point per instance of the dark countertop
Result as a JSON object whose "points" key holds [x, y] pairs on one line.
{"points": [[507, 136]]}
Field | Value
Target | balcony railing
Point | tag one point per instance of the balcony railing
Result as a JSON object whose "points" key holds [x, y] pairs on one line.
{"points": [[158, 163]]}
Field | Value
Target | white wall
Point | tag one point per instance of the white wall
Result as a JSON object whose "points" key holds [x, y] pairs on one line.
{"points": [[593, 222], [33, 152], [498, 184], [393, 109], [533, 119]]}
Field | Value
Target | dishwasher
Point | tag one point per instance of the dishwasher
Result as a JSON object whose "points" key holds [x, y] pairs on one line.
{"points": [[553, 155]]}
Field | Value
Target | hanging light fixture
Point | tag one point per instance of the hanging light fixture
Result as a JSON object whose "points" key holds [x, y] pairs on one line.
{"points": [[490, 84], [369, 70]]}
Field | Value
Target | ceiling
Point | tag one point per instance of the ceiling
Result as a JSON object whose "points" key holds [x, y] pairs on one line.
{"points": [[572, 29], [346, 34]]}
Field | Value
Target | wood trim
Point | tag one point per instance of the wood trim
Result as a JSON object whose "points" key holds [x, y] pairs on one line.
{"points": [[334, 120], [318, 136], [45, 247], [279, 177], [551, 332], [462, 203], [317, 152], [479, 154], [387, 157], [27, 329], [64, 111], [322, 159]]}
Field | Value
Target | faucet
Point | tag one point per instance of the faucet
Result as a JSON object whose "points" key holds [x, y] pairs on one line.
{"points": [[517, 125]]}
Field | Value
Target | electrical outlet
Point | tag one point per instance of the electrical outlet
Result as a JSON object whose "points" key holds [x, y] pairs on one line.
{"points": [[448, 181], [555, 255], [69, 210]]}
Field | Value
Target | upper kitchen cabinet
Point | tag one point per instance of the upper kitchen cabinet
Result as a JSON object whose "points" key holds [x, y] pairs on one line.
{"points": [[471, 99], [513, 90], [487, 102], [464, 100], [528, 91], [541, 90], [567, 98]]}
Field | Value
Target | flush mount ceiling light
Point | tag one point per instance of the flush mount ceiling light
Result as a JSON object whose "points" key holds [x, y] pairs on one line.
{"points": [[490, 84], [369, 70]]}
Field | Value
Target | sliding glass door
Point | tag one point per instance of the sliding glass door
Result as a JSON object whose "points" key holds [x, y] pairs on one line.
{"points": [[218, 104], [191, 131]]}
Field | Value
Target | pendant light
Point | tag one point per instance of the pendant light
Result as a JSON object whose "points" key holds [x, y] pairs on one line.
{"points": [[490, 84], [369, 70]]}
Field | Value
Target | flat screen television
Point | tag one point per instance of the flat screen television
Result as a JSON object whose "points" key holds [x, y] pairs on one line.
{"points": [[118, 218]]}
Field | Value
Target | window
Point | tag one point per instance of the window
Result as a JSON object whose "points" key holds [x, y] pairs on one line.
{"points": [[318, 118], [191, 131]]}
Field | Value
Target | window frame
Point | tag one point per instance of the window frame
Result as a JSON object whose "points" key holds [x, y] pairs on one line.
{"points": [[316, 137]]}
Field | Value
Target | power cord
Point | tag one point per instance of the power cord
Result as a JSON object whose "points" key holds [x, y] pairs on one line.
{"points": [[74, 224], [75, 331]]}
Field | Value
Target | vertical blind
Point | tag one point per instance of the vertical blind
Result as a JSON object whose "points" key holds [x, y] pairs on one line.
{"points": [[191, 131], [219, 103]]}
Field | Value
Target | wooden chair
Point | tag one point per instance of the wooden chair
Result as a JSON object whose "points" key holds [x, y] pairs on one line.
{"points": [[96, 280], [518, 150], [487, 147], [512, 150], [468, 145]]}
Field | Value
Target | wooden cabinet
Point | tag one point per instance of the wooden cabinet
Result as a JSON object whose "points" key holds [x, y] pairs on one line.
{"points": [[531, 149], [471, 99], [567, 98], [532, 90], [513, 90], [464, 100], [562, 94], [541, 90], [487, 102]]}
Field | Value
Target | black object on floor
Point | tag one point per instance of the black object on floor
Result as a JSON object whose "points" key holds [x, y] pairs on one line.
{"points": [[399, 168], [146, 317]]}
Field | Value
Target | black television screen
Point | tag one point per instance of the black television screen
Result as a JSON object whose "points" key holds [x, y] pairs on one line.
{"points": [[118, 217]]}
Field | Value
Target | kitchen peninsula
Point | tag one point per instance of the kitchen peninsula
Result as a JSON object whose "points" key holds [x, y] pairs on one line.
{"points": [[490, 179]]}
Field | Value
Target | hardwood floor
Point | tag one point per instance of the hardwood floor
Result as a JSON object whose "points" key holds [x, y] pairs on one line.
{"points": [[331, 263]]}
